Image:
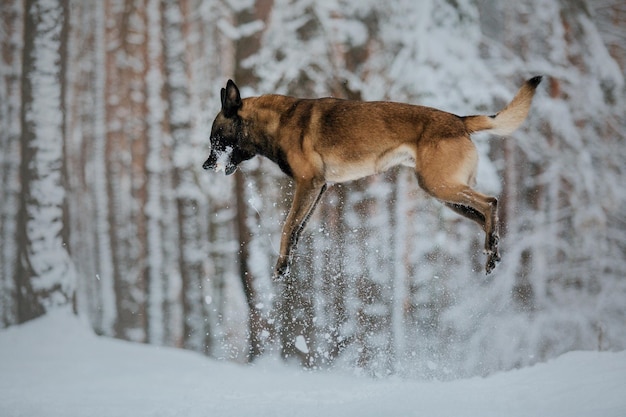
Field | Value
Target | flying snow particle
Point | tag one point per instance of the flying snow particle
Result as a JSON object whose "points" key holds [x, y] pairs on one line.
{"points": [[301, 344]]}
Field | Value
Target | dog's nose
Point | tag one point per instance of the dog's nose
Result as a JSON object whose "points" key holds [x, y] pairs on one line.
{"points": [[206, 165]]}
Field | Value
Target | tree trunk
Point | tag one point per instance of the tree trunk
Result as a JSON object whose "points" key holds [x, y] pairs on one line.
{"points": [[188, 197], [11, 20], [125, 154], [45, 273], [104, 251], [154, 165]]}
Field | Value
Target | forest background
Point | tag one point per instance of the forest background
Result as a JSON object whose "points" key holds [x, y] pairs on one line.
{"points": [[105, 113]]}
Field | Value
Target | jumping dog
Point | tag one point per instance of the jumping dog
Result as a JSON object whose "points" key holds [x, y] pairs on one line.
{"points": [[328, 140]]}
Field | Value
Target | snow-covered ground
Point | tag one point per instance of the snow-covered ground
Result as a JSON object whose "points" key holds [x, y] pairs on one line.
{"points": [[55, 366]]}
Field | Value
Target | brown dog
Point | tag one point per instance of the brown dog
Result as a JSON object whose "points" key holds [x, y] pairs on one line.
{"points": [[329, 140]]}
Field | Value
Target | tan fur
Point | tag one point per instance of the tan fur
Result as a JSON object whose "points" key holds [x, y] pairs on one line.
{"points": [[511, 117], [331, 141]]}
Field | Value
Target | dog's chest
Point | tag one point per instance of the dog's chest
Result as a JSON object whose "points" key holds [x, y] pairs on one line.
{"points": [[347, 172], [341, 170]]}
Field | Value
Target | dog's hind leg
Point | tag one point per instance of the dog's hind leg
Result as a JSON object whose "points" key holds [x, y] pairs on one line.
{"points": [[468, 212], [306, 197], [477, 207], [487, 219], [445, 172]]}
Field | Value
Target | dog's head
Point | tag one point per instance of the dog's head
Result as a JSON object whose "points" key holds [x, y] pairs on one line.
{"points": [[229, 143]]}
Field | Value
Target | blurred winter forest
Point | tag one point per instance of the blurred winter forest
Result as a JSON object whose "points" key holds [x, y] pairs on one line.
{"points": [[105, 114]]}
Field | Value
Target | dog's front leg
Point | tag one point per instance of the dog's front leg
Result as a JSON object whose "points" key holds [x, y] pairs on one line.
{"points": [[306, 197]]}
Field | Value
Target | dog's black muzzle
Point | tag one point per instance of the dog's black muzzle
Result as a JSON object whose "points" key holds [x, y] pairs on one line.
{"points": [[212, 164], [208, 164]]}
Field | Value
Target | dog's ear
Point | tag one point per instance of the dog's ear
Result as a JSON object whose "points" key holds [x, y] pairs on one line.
{"points": [[231, 99]]}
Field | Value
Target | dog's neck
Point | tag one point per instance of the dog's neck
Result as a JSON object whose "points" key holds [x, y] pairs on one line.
{"points": [[265, 111], [261, 116]]}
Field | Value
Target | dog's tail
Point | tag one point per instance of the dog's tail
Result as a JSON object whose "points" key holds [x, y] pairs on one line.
{"points": [[511, 117]]}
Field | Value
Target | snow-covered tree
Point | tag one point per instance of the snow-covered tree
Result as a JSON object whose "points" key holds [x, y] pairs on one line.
{"points": [[187, 194], [126, 151], [86, 166], [11, 43], [45, 272]]}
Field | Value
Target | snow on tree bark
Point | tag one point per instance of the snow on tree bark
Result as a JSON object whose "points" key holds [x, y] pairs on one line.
{"points": [[86, 166], [188, 196], [79, 128], [45, 273], [126, 146], [104, 255], [153, 208], [11, 43]]}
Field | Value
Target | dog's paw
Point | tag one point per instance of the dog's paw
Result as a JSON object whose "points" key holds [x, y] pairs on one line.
{"points": [[492, 260], [281, 271], [492, 243]]}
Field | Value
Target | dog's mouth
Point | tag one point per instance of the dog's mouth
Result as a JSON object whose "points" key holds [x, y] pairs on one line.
{"points": [[228, 169], [222, 162]]}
